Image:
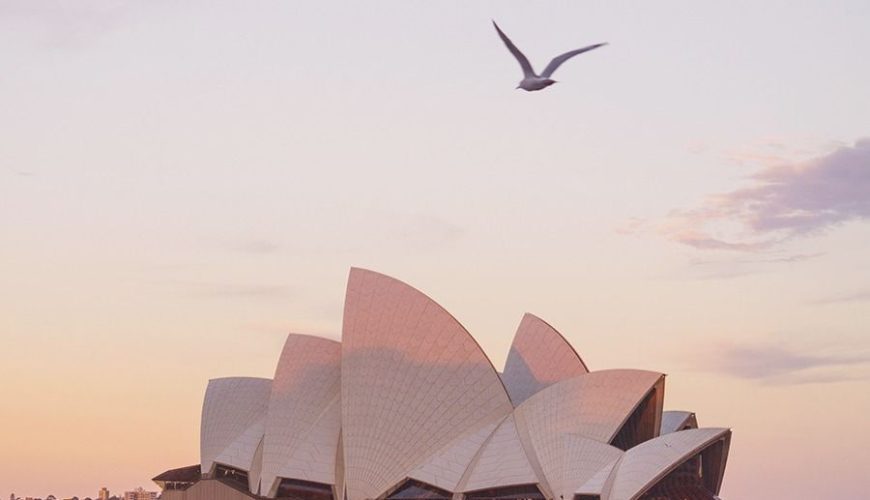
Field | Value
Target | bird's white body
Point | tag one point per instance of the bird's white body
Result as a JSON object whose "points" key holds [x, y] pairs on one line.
{"points": [[532, 81]]}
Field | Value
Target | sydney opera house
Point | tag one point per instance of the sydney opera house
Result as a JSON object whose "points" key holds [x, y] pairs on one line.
{"points": [[407, 406]]}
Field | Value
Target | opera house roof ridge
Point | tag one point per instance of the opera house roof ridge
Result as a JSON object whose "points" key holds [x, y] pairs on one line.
{"points": [[360, 270], [408, 406], [557, 332]]}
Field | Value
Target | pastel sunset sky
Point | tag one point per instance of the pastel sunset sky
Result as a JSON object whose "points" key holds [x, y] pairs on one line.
{"points": [[183, 183]]}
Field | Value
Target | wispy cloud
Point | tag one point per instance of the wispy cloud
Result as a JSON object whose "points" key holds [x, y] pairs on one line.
{"points": [[424, 231], [242, 291], [20, 173], [200, 289], [783, 201], [61, 23], [790, 258], [775, 259], [779, 365], [730, 267], [846, 297], [258, 247], [773, 151], [360, 232]]}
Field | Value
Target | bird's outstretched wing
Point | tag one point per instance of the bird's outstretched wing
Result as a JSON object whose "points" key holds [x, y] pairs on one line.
{"points": [[558, 60], [521, 58]]}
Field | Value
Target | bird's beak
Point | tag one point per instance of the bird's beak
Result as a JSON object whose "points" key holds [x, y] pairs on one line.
{"points": [[517, 87]]}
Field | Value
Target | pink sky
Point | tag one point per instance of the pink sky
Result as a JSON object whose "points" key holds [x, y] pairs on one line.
{"points": [[181, 185]]}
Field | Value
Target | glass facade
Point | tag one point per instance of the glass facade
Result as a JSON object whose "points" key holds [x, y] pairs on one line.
{"points": [[418, 490], [518, 492], [297, 489]]}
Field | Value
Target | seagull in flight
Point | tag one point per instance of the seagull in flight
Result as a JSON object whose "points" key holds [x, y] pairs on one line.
{"points": [[532, 81]]}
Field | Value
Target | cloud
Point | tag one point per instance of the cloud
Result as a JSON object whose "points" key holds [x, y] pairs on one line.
{"points": [[62, 23], [773, 151], [229, 290], [783, 202], [242, 291], [790, 258], [423, 231], [780, 259], [258, 247], [356, 232], [710, 271], [731, 267], [847, 297], [19, 172], [778, 365]]}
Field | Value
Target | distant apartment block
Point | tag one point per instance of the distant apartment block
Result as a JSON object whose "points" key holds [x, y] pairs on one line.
{"points": [[140, 494]]}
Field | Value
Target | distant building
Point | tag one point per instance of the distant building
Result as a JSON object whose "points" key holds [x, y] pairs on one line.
{"points": [[104, 494], [140, 494]]}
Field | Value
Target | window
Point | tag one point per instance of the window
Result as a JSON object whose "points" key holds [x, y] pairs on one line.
{"points": [[698, 478], [297, 489], [418, 490], [231, 475], [518, 492], [641, 425]]}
